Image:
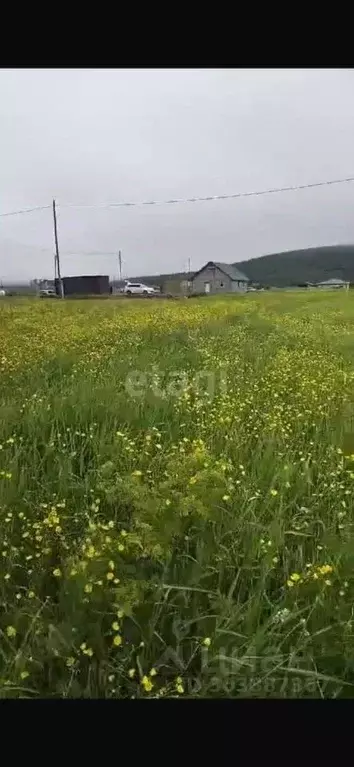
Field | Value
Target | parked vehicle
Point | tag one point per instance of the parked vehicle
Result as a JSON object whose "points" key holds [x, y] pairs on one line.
{"points": [[49, 293], [138, 288], [2, 292]]}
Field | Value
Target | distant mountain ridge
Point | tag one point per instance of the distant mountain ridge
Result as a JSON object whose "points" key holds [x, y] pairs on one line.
{"points": [[293, 267], [299, 266]]}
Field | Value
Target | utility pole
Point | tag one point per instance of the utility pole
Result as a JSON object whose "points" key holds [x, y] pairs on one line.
{"points": [[57, 259], [120, 264]]}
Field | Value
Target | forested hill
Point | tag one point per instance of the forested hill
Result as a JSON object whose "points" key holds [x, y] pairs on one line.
{"points": [[291, 267], [299, 266]]}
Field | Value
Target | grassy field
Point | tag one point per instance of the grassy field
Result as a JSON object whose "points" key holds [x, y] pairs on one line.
{"points": [[176, 497]]}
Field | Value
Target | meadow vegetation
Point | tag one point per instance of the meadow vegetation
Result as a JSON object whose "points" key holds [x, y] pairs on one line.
{"points": [[176, 497]]}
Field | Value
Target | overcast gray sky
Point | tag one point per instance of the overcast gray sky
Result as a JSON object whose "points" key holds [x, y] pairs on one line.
{"points": [[94, 136]]}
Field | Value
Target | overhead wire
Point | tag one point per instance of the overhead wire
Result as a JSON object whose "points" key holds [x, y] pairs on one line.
{"points": [[276, 190], [64, 253], [25, 210], [209, 198]]}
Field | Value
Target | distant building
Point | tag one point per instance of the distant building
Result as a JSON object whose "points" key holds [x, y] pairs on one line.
{"points": [[39, 284], [117, 286], [216, 277], [334, 282], [84, 285], [177, 287]]}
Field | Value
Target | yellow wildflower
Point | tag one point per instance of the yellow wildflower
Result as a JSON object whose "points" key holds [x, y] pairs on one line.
{"points": [[109, 576], [115, 626], [179, 685], [11, 631], [147, 684], [207, 642], [325, 569], [117, 640], [57, 573]]}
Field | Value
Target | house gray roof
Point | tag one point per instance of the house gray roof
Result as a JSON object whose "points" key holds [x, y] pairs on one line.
{"points": [[232, 271], [332, 281], [229, 269]]}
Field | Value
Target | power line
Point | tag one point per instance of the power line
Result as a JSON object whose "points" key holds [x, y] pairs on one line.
{"points": [[64, 253], [26, 210], [213, 197], [237, 195], [88, 253]]}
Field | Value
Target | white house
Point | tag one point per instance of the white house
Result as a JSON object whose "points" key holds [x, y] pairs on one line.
{"points": [[334, 282]]}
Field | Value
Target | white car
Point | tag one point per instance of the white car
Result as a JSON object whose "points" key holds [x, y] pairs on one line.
{"points": [[138, 288], [47, 293]]}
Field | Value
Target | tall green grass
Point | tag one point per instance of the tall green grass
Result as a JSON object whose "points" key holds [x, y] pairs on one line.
{"points": [[188, 537]]}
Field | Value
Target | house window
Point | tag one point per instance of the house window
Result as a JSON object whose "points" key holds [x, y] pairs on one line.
{"points": [[221, 284]]}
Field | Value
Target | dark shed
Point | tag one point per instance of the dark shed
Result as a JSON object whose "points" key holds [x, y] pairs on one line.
{"points": [[96, 284]]}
